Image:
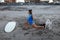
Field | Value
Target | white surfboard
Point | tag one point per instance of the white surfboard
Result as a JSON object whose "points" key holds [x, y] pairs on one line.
{"points": [[10, 26], [48, 23]]}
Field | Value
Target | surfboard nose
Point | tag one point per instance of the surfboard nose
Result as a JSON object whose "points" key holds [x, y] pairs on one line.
{"points": [[10, 26]]}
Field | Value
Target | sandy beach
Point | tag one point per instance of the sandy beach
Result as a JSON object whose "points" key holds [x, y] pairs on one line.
{"points": [[40, 13]]}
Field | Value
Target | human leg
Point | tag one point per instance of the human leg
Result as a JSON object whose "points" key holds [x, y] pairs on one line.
{"points": [[37, 27]]}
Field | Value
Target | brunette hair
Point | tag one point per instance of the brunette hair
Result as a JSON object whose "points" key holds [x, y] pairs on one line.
{"points": [[30, 11]]}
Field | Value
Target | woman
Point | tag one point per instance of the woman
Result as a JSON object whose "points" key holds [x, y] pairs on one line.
{"points": [[30, 21]]}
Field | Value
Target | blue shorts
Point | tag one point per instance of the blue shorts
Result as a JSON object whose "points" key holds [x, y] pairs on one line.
{"points": [[30, 20]]}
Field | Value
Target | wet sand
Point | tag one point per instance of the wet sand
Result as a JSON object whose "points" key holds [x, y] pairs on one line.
{"points": [[31, 34]]}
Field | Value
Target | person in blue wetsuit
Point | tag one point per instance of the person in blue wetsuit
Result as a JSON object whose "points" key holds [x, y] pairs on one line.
{"points": [[30, 21]]}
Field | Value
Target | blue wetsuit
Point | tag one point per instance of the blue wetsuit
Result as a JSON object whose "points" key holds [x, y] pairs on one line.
{"points": [[30, 19]]}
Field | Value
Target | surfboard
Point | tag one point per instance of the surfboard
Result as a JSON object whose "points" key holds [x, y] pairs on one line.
{"points": [[10, 26], [48, 24]]}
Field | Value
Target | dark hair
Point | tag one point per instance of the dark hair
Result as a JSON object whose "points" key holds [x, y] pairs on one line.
{"points": [[30, 11]]}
